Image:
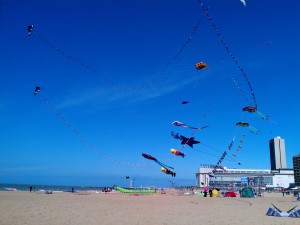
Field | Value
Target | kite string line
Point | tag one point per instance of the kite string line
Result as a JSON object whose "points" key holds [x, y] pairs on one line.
{"points": [[106, 78], [205, 10], [86, 143], [238, 87], [194, 130]]}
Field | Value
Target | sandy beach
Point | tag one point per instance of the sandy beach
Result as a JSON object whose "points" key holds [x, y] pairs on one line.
{"points": [[118, 208]]}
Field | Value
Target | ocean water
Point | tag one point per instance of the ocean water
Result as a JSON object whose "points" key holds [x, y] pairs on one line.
{"points": [[26, 187]]}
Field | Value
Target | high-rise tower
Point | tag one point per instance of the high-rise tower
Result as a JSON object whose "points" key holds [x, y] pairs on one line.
{"points": [[296, 165], [277, 153]]}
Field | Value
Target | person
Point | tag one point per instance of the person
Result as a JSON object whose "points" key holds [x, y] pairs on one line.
{"points": [[210, 192], [298, 196], [72, 190], [30, 188], [205, 193]]}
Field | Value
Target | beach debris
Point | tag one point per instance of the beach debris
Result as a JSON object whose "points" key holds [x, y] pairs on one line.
{"points": [[177, 152], [179, 124], [274, 211], [244, 124], [184, 140]]}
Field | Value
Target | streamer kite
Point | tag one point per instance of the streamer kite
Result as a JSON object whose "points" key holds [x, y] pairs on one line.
{"points": [[155, 160], [201, 66], [253, 109], [244, 124], [167, 171], [179, 124]]}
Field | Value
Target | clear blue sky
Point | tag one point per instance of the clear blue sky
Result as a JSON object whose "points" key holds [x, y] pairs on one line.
{"points": [[132, 43]]}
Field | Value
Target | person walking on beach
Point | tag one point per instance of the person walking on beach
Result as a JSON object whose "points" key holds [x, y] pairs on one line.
{"points": [[30, 188]]}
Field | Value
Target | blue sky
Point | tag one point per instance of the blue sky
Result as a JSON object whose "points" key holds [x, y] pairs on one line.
{"points": [[131, 45]]}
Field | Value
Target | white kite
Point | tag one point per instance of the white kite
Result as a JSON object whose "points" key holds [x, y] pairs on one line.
{"points": [[244, 2]]}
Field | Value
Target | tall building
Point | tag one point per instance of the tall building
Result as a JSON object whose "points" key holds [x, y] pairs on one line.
{"points": [[277, 153], [296, 166]]}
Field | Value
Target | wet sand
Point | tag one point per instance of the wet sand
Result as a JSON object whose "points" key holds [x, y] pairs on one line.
{"points": [[90, 208]]}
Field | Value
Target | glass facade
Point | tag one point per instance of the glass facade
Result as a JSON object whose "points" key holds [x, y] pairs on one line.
{"points": [[296, 165]]}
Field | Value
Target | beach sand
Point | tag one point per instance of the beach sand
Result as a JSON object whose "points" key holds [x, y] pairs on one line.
{"points": [[20, 208]]}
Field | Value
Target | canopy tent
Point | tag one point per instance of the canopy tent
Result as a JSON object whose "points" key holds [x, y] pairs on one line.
{"points": [[247, 193], [230, 194]]}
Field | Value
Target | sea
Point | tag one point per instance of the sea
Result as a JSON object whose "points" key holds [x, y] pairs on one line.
{"points": [[26, 187]]}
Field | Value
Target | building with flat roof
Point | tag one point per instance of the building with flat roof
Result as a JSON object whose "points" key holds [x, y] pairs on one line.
{"points": [[243, 177], [277, 153], [296, 166]]}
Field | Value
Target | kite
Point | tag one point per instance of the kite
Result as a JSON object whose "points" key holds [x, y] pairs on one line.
{"points": [[167, 171], [201, 66], [37, 90], [244, 124], [29, 29], [253, 109], [184, 102], [268, 43], [179, 124], [188, 141], [244, 2], [222, 168], [155, 160], [274, 211], [177, 152], [127, 177], [184, 140]]}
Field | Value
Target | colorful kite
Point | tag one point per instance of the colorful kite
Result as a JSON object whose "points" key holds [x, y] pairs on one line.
{"points": [[155, 160], [179, 124], [253, 109], [167, 171], [184, 140], [244, 124], [177, 152], [201, 66], [274, 211]]}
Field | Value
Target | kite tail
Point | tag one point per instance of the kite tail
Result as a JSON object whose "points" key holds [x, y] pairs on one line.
{"points": [[262, 115], [164, 165], [253, 130]]}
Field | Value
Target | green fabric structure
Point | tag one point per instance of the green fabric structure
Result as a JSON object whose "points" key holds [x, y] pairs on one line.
{"points": [[247, 193]]}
